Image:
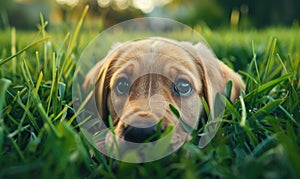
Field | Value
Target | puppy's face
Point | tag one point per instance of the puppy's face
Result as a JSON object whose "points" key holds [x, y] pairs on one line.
{"points": [[147, 77], [137, 81]]}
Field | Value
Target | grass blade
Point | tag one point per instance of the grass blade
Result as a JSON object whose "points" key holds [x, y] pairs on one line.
{"points": [[3, 61], [13, 49], [267, 109], [267, 86], [255, 62], [269, 63], [36, 99], [4, 84], [244, 113], [186, 127]]}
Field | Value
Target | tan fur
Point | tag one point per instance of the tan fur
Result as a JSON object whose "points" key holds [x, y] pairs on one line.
{"points": [[150, 94]]}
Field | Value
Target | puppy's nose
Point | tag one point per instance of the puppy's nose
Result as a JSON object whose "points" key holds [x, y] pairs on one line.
{"points": [[142, 134]]}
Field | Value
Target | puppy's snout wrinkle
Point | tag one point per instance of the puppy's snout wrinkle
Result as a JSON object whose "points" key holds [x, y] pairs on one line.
{"points": [[158, 105]]}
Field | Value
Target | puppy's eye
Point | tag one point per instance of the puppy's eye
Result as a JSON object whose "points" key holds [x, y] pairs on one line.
{"points": [[182, 87], [122, 86]]}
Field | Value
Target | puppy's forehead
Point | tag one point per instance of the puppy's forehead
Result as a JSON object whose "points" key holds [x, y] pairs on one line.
{"points": [[155, 56], [156, 46], [155, 52]]}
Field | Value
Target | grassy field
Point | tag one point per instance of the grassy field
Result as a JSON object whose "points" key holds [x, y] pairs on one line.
{"points": [[259, 136]]}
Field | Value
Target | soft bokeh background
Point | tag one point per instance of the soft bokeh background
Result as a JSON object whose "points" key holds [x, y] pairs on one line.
{"points": [[241, 14]]}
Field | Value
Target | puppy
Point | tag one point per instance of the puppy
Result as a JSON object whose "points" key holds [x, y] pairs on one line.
{"points": [[138, 80]]}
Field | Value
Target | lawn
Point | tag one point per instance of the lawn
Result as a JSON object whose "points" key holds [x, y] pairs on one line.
{"points": [[259, 136]]}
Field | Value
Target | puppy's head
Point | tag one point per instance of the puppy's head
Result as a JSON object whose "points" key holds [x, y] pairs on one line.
{"points": [[138, 80]]}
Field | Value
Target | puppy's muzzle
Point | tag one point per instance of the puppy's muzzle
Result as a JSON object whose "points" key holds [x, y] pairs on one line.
{"points": [[140, 134]]}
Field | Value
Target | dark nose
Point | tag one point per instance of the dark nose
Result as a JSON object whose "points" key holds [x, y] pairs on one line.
{"points": [[142, 134]]}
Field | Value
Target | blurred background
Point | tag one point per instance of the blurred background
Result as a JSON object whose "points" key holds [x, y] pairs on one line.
{"points": [[216, 14]]}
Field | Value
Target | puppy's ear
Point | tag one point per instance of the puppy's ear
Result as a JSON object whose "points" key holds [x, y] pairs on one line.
{"points": [[90, 78], [237, 82], [214, 75], [98, 79]]}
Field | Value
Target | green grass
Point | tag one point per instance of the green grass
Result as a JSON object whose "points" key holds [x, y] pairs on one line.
{"points": [[259, 136]]}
